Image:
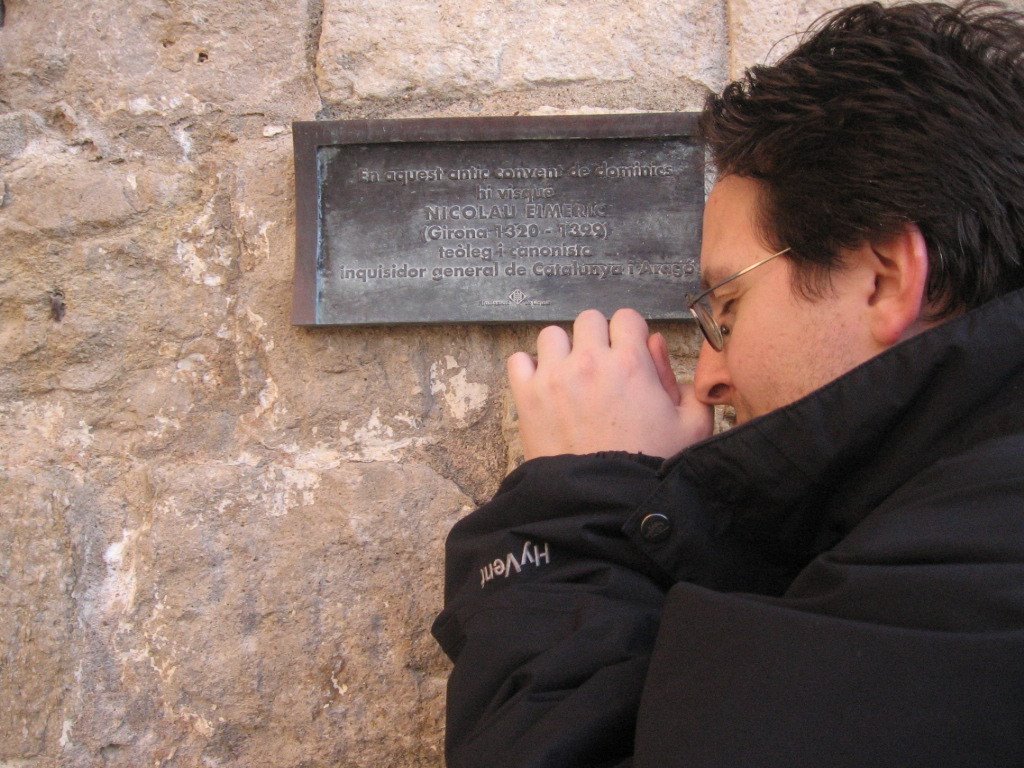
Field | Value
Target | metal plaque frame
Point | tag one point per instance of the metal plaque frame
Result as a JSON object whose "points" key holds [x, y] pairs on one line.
{"points": [[495, 219]]}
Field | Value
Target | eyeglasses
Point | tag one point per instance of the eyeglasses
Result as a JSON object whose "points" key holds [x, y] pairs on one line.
{"points": [[700, 307]]}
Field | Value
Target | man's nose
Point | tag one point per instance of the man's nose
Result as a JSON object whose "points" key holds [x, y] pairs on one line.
{"points": [[711, 379]]}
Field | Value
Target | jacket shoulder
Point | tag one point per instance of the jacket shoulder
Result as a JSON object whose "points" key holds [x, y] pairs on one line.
{"points": [[944, 552]]}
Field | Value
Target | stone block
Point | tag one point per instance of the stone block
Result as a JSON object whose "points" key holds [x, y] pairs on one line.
{"points": [[187, 73], [379, 50], [264, 634]]}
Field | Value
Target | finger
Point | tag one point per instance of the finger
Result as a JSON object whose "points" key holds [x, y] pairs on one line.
{"points": [[590, 330], [520, 368], [628, 327], [659, 354], [552, 344]]}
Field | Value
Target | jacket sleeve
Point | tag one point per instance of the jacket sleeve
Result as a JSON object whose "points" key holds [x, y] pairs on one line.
{"points": [[550, 616]]}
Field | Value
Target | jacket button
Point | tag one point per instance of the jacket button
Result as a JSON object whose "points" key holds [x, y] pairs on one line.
{"points": [[655, 528]]}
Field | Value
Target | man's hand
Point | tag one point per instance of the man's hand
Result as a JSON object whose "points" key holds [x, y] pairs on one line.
{"points": [[609, 389]]}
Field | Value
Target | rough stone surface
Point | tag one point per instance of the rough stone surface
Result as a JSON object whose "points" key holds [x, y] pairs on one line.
{"points": [[498, 57], [761, 31], [220, 535], [384, 51]]}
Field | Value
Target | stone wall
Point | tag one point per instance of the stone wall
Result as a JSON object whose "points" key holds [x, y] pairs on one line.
{"points": [[221, 535]]}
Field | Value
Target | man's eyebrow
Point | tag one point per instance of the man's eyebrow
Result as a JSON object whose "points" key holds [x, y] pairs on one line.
{"points": [[711, 276]]}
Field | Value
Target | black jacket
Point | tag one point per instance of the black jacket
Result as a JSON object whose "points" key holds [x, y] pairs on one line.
{"points": [[838, 583]]}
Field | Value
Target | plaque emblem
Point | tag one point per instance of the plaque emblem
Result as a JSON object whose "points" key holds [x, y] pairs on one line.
{"points": [[517, 296]]}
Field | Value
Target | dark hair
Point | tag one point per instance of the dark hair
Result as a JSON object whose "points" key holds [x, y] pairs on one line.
{"points": [[883, 117]]}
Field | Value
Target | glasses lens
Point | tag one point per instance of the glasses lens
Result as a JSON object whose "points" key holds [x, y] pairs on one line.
{"points": [[711, 330]]}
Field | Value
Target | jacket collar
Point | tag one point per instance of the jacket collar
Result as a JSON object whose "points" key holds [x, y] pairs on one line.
{"points": [[798, 479]]}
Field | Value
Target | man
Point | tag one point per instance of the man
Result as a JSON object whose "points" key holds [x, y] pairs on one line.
{"points": [[838, 580]]}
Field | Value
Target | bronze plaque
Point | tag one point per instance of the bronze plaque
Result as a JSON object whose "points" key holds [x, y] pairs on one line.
{"points": [[524, 219]]}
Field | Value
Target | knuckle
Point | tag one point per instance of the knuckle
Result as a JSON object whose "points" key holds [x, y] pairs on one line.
{"points": [[586, 364], [631, 362]]}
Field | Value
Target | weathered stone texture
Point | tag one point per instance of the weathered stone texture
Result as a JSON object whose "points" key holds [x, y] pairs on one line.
{"points": [[221, 536], [761, 31], [155, 76], [36, 578], [267, 612], [496, 57], [382, 50]]}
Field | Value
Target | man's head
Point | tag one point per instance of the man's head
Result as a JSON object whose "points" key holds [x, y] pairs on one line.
{"points": [[889, 139]]}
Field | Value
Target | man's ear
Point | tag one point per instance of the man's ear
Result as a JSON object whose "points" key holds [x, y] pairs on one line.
{"points": [[900, 265]]}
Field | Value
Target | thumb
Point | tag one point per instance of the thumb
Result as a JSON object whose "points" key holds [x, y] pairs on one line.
{"points": [[658, 348], [697, 418]]}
